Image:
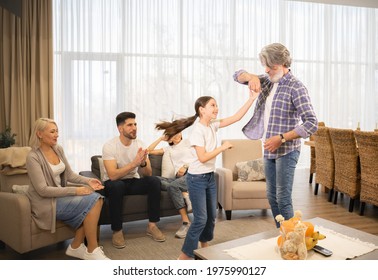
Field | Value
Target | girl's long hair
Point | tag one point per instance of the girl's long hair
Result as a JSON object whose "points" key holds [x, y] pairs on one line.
{"points": [[176, 126]]}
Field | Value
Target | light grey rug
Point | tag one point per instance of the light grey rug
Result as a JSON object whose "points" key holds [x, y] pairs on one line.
{"points": [[141, 247]]}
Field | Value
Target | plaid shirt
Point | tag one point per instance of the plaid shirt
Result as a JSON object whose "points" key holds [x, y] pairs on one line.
{"points": [[291, 103]]}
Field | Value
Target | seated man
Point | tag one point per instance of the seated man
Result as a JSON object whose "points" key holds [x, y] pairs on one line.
{"points": [[123, 156]]}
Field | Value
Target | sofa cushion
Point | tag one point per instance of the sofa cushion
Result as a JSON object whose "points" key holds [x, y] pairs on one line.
{"points": [[243, 190], [101, 168], [95, 167], [167, 168], [252, 170], [155, 164], [21, 189]]}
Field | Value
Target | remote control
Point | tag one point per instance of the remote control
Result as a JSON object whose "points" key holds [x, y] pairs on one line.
{"points": [[322, 250]]}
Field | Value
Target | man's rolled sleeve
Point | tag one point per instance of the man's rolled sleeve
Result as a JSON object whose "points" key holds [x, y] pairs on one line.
{"points": [[301, 131], [237, 74]]}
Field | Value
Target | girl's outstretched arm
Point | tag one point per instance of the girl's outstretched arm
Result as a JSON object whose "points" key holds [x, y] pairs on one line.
{"points": [[151, 148], [242, 111], [204, 156]]}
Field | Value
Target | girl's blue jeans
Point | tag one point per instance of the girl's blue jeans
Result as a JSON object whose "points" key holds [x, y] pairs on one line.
{"points": [[202, 193]]}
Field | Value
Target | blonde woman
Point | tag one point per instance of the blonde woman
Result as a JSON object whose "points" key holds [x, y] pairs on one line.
{"points": [[53, 199]]}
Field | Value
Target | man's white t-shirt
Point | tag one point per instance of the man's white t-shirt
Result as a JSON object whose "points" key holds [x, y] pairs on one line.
{"points": [[203, 136], [115, 150], [268, 109], [180, 154]]}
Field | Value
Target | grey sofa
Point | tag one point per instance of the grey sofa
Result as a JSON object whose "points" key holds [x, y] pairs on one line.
{"points": [[134, 206]]}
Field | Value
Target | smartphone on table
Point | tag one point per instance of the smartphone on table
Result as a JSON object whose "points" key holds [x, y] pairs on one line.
{"points": [[322, 250]]}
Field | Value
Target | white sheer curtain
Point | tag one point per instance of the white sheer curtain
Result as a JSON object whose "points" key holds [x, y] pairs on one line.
{"points": [[155, 58]]}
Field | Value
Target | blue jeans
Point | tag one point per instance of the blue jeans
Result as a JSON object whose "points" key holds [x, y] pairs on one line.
{"points": [[202, 193], [279, 175]]}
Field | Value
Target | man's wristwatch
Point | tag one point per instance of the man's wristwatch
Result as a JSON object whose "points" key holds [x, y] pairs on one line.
{"points": [[283, 140], [143, 165]]}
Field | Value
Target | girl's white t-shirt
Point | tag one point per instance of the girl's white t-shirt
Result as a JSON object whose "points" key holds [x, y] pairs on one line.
{"points": [[203, 136], [180, 154]]}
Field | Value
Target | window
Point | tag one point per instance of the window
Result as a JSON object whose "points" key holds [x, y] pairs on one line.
{"points": [[155, 58]]}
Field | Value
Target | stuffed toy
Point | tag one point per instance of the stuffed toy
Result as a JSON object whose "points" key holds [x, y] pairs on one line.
{"points": [[297, 237]]}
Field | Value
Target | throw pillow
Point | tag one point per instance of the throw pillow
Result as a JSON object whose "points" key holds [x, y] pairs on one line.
{"points": [[167, 168], [252, 170], [21, 189], [102, 168]]}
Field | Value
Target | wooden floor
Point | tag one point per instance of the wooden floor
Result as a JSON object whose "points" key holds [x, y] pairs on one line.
{"points": [[303, 199], [318, 206]]}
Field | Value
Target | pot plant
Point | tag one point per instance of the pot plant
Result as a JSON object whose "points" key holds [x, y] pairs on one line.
{"points": [[7, 139]]}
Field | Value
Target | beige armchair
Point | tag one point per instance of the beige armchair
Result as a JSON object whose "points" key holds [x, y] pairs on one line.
{"points": [[234, 194], [19, 231], [17, 228]]}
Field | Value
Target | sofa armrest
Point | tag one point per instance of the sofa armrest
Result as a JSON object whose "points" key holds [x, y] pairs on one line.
{"points": [[225, 181], [88, 174], [15, 220], [7, 181]]}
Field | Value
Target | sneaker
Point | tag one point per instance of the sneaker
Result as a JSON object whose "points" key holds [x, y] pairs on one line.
{"points": [[183, 230], [118, 240], [188, 204], [78, 252], [156, 234], [97, 254]]}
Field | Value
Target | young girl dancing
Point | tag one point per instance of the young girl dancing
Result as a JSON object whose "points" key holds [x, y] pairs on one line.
{"points": [[200, 176]]}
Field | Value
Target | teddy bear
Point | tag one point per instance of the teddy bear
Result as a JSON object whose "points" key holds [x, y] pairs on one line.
{"points": [[297, 237]]}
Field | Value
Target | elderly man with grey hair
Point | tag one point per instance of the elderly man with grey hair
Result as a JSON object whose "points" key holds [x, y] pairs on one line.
{"points": [[283, 114]]}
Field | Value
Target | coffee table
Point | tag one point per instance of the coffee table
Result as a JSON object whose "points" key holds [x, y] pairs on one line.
{"points": [[216, 252]]}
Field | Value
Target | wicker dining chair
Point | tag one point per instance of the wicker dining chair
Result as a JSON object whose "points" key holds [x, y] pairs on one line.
{"points": [[325, 163], [313, 157], [312, 162], [367, 143], [347, 165]]}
